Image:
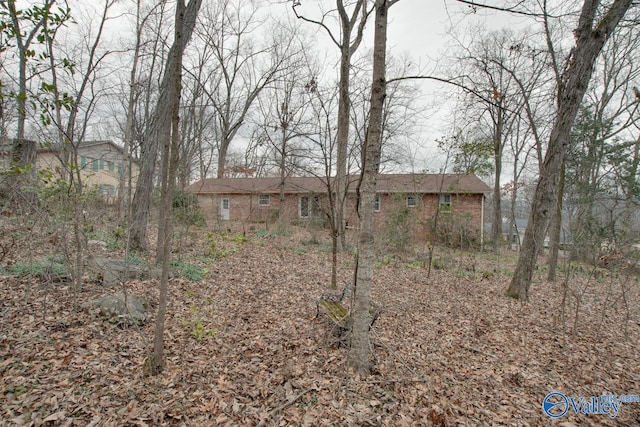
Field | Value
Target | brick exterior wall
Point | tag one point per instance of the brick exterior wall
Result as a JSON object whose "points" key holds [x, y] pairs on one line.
{"points": [[464, 216], [246, 208], [462, 220]]}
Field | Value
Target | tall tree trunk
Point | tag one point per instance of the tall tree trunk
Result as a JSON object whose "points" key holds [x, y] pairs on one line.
{"points": [[160, 126], [283, 176], [347, 48], [348, 23], [589, 42], [555, 229], [222, 155], [23, 151], [632, 188], [124, 181], [360, 357], [171, 143], [342, 139], [496, 226]]}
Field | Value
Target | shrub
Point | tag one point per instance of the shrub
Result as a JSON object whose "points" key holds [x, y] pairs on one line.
{"points": [[187, 209], [453, 229], [189, 271], [41, 266], [398, 227]]}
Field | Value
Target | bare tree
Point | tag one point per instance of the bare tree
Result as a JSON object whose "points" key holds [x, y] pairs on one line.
{"points": [[125, 178], [160, 121], [243, 66], [73, 95], [360, 355], [284, 124], [498, 66], [170, 140], [200, 121], [399, 118], [322, 135], [69, 108], [596, 24], [351, 31]]}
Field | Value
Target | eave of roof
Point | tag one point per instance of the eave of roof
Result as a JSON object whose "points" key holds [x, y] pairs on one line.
{"points": [[392, 183]]}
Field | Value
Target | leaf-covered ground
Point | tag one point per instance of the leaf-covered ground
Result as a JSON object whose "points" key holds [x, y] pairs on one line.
{"points": [[243, 346]]}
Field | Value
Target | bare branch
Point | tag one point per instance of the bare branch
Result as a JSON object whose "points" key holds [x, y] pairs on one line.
{"points": [[448, 81], [474, 5], [313, 21]]}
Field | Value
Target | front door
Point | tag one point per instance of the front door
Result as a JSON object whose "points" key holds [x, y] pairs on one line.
{"points": [[224, 209]]}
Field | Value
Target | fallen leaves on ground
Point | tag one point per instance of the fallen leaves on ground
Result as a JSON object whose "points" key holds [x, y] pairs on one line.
{"points": [[243, 347]]}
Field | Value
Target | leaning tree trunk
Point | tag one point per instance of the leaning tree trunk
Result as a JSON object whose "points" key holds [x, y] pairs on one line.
{"points": [[589, 42], [171, 142], [360, 357], [161, 123]]}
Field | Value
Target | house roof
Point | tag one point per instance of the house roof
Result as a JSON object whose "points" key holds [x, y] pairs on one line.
{"points": [[6, 146], [392, 183], [257, 185], [85, 145]]}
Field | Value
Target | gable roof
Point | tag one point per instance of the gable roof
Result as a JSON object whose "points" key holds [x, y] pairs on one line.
{"points": [[6, 146], [431, 183], [86, 145], [392, 183]]}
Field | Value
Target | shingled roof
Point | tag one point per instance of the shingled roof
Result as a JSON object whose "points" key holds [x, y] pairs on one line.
{"points": [[393, 183]]}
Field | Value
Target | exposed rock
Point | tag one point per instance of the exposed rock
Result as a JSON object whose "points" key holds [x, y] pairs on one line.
{"points": [[97, 243], [119, 308], [113, 271]]}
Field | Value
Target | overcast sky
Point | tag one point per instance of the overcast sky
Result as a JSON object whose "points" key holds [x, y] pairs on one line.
{"points": [[422, 29]]}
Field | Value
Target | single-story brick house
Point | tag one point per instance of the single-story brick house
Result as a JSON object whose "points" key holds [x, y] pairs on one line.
{"points": [[417, 196]]}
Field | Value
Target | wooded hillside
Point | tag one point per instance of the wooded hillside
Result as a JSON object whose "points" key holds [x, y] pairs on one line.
{"points": [[243, 347]]}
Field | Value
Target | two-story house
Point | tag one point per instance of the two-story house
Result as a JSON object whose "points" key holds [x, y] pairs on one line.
{"points": [[102, 164]]}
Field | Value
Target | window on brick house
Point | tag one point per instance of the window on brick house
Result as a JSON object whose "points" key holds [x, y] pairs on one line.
{"points": [[445, 203], [264, 200], [309, 206], [412, 201], [376, 203]]}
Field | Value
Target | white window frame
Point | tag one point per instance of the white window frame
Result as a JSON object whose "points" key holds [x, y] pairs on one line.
{"points": [[225, 208], [376, 203], [312, 211], [445, 201], [264, 200], [413, 197]]}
